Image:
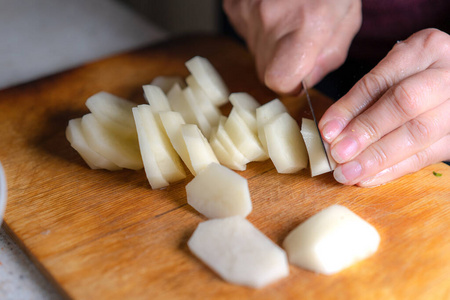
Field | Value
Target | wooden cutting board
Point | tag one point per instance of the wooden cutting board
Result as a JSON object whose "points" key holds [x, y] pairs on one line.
{"points": [[107, 235]]}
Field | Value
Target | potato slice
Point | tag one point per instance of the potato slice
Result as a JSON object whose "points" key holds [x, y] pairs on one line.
{"points": [[200, 152], [224, 157], [122, 151], [285, 144], [222, 136], [113, 112], [167, 82], [94, 160], [246, 107], [156, 98], [331, 240], [209, 79], [238, 252], [317, 157], [199, 118], [244, 139], [156, 148], [218, 192], [264, 114], [172, 122]]}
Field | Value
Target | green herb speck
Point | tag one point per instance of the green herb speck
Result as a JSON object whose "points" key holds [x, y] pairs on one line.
{"points": [[437, 174]]}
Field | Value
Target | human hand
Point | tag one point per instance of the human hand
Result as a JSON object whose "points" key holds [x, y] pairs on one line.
{"points": [[294, 40], [396, 119]]}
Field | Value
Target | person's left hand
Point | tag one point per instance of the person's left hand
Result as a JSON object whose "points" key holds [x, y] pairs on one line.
{"points": [[396, 119]]}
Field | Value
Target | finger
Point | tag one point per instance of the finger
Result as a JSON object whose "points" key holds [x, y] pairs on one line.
{"points": [[400, 104], [414, 55], [412, 137], [439, 151]]}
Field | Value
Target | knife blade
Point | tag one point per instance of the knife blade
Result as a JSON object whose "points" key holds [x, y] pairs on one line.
{"points": [[305, 88]]}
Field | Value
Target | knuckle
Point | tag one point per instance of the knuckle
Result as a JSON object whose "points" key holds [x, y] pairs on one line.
{"points": [[367, 128], [379, 157], [373, 84], [266, 12], [406, 100], [421, 130]]}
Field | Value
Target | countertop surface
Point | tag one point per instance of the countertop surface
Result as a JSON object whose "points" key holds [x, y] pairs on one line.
{"points": [[45, 37]]}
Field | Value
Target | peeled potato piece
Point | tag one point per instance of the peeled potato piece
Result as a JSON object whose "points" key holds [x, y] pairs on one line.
{"points": [[123, 152], [113, 112], [264, 114], [224, 157], [199, 118], [156, 98], [218, 192], [317, 157], [172, 122], [209, 79], [285, 144], [167, 82], [238, 252], [222, 136], [331, 240], [244, 139], [94, 160], [200, 152], [246, 107], [156, 147]]}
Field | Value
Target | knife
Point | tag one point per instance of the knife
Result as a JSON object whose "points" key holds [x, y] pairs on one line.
{"points": [[315, 122]]}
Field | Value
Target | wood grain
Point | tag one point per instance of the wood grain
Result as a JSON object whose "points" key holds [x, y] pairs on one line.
{"points": [[107, 235]]}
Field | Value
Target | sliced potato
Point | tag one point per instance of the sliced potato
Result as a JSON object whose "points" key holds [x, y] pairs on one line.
{"points": [[209, 79], [122, 151], [218, 192], [156, 147], [199, 118], [238, 252], [156, 98], [167, 82], [317, 157], [224, 157], [222, 136], [94, 160], [264, 114], [200, 152], [246, 106], [285, 144], [244, 139], [331, 240]]}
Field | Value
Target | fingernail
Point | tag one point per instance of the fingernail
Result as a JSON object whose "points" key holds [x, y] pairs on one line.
{"points": [[347, 172], [344, 150], [331, 130]]}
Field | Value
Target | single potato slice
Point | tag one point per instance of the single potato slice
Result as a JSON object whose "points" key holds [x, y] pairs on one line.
{"points": [[113, 112], [244, 139], [94, 160], [156, 147], [225, 158], [199, 117], [285, 144], [156, 98], [331, 240], [218, 192], [264, 114], [246, 106], [317, 157], [167, 82], [200, 152], [238, 252], [208, 79], [124, 152]]}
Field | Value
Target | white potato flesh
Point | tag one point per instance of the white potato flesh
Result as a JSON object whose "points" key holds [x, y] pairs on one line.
{"points": [[332, 240], [94, 160], [222, 136], [200, 152], [218, 192], [122, 151], [317, 157], [238, 252], [156, 147], [264, 114], [246, 107], [211, 112], [167, 82], [156, 98], [244, 139], [222, 154], [113, 112], [209, 79], [285, 144], [172, 122], [199, 118]]}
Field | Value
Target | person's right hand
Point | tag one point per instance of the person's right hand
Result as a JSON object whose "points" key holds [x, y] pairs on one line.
{"points": [[295, 40]]}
